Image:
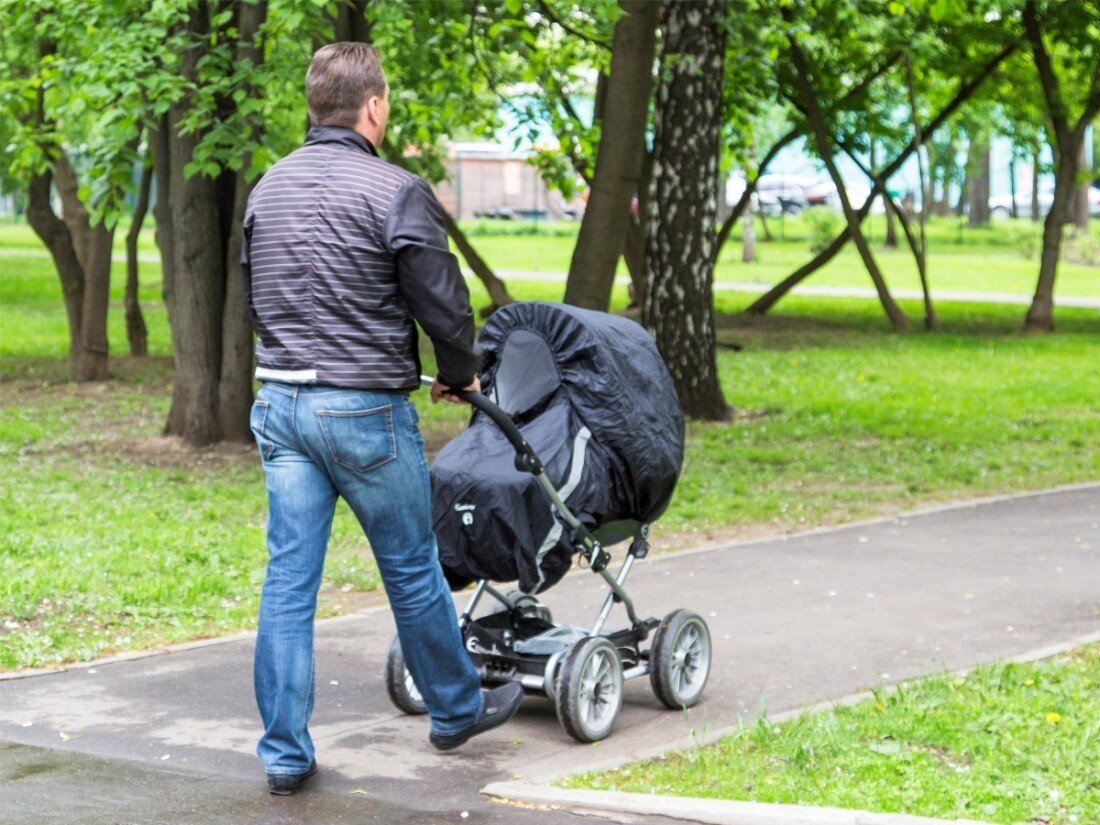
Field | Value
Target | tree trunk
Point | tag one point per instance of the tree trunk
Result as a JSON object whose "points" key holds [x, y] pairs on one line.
{"points": [[979, 174], [1035, 185], [618, 159], [891, 240], [136, 332], [91, 365], [1040, 315], [824, 141], [58, 240], [1081, 195], [634, 243], [748, 235], [682, 245], [1066, 142], [498, 292], [1015, 210]]}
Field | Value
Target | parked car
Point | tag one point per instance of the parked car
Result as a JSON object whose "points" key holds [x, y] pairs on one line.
{"points": [[778, 190], [1001, 206]]}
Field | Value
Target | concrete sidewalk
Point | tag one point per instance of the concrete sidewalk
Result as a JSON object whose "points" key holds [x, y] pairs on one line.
{"points": [[794, 621]]}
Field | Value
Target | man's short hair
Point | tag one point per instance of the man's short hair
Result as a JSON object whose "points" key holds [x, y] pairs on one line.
{"points": [[341, 78]]}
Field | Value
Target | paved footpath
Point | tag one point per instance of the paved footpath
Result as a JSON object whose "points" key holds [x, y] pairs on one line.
{"points": [[169, 738]]}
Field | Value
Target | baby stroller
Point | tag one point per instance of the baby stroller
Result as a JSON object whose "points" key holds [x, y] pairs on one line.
{"points": [[575, 445]]}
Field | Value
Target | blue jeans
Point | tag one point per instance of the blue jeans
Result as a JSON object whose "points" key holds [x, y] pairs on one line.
{"points": [[317, 443]]}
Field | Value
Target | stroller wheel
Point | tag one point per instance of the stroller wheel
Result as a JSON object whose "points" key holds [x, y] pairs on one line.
{"points": [[399, 682], [679, 660], [590, 692]]}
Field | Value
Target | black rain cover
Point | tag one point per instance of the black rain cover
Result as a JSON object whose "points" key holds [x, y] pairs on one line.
{"points": [[592, 396]]}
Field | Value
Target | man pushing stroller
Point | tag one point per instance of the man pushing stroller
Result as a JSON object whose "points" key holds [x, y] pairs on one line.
{"points": [[342, 252]]}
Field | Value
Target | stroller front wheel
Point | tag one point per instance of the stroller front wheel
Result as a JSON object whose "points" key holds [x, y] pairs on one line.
{"points": [[679, 659], [399, 682], [590, 692]]}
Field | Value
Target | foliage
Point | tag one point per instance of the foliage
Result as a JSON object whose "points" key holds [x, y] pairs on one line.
{"points": [[823, 223]]}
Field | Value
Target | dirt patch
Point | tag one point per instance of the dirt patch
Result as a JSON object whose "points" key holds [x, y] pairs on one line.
{"points": [[172, 453]]}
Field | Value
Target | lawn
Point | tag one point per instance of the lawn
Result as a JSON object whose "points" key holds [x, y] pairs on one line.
{"points": [[114, 538], [951, 746], [960, 259]]}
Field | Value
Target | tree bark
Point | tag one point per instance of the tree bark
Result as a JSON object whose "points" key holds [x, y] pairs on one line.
{"points": [[634, 243], [1081, 195], [1035, 185], [979, 174], [58, 240], [824, 140], [618, 159], [498, 292], [237, 355], [965, 91], [682, 245], [748, 235], [91, 365], [136, 332]]}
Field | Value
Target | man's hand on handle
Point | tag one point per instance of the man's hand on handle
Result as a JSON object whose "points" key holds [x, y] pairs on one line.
{"points": [[441, 392]]}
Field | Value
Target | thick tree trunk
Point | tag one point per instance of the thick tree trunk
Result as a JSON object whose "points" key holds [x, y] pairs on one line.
{"points": [[682, 245], [618, 159], [91, 364], [58, 240], [979, 175], [136, 332], [824, 141], [197, 294], [237, 354], [73, 211], [498, 292]]}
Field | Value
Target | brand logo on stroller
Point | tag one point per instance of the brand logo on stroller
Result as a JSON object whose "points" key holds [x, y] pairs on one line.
{"points": [[467, 511]]}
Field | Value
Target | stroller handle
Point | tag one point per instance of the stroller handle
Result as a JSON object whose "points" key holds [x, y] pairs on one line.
{"points": [[527, 460], [500, 418]]}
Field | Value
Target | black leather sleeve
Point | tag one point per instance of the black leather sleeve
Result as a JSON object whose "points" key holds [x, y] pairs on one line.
{"points": [[431, 282]]}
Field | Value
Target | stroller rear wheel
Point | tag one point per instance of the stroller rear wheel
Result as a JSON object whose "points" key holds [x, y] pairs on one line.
{"points": [[399, 682], [590, 691], [679, 660]]}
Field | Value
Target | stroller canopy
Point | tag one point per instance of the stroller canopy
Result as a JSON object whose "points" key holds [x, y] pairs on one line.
{"points": [[590, 393]]}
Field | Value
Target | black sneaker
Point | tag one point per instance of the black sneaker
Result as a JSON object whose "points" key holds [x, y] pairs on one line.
{"points": [[501, 705], [286, 784]]}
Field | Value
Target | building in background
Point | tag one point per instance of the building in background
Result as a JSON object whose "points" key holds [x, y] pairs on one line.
{"points": [[488, 180]]}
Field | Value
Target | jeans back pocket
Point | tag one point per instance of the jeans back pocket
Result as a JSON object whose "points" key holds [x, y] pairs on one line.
{"points": [[359, 440]]}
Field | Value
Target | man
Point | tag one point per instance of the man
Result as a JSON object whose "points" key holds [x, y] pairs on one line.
{"points": [[342, 251]]}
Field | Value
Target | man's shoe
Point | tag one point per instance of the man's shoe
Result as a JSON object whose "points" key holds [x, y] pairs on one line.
{"points": [[501, 705], [286, 784]]}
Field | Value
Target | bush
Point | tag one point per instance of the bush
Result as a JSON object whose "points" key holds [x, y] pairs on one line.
{"points": [[485, 227], [1027, 238], [1082, 248], [823, 224]]}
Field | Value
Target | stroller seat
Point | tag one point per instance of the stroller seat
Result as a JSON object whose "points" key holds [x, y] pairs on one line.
{"points": [[565, 376]]}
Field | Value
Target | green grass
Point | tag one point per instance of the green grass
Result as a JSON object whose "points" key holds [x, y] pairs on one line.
{"points": [[1008, 743], [960, 259], [113, 538]]}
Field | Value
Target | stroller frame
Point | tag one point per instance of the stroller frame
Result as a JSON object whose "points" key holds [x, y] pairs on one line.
{"points": [[581, 669]]}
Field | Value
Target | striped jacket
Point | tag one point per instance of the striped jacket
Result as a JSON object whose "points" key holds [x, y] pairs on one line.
{"points": [[341, 252]]}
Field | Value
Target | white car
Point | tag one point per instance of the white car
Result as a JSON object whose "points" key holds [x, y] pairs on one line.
{"points": [[1001, 206]]}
